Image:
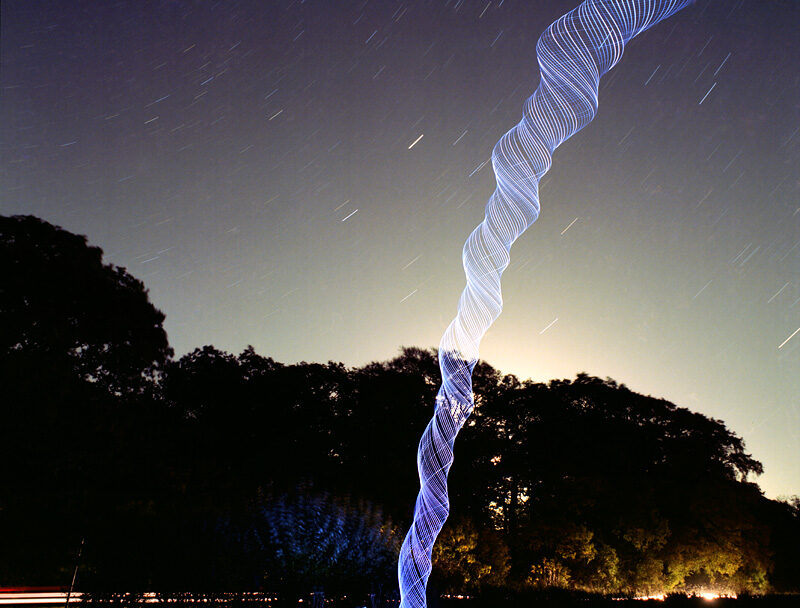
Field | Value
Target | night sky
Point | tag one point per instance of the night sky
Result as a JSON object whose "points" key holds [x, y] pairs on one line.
{"points": [[255, 164]]}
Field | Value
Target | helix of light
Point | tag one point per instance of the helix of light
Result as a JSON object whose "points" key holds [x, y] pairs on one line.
{"points": [[573, 53]]}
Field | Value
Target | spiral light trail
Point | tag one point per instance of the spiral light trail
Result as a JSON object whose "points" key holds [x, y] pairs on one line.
{"points": [[573, 53]]}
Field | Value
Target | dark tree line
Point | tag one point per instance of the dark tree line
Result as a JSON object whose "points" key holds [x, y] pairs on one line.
{"points": [[221, 472]]}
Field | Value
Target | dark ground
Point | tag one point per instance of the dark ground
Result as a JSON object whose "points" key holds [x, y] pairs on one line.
{"points": [[554, 601], [544, 600]]}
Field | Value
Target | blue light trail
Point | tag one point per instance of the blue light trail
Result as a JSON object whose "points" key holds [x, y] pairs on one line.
{"points": [[573, 53]]}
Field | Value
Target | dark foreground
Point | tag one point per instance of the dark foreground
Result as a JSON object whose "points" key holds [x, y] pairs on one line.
{"points": [[543, 599], [565, 601]]}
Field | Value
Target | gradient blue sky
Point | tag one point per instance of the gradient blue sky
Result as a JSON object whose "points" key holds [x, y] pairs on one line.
{"points": [[250, 162]]}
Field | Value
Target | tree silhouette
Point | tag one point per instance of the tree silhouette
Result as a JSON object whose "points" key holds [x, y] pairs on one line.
{"points": [[649, 489], [205, 472], [78, 339], [61, 304]]}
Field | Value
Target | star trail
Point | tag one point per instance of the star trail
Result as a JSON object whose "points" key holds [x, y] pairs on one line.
{"points": [[300, 176]]}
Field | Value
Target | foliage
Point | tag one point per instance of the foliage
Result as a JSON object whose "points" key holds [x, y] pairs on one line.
{"points": [[307, 539], [466, 559]]}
